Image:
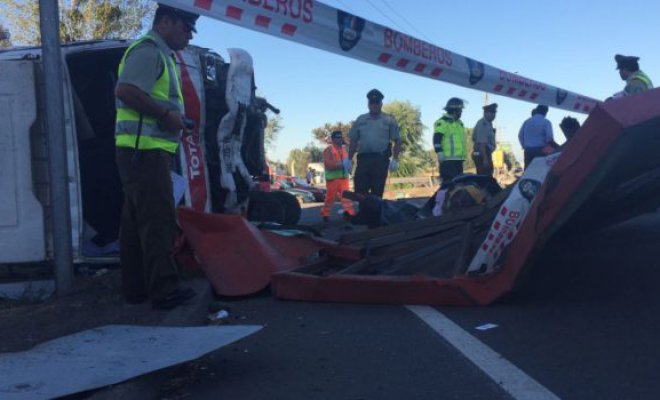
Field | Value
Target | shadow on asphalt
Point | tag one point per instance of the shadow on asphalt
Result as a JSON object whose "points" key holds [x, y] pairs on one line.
{"points": [[600, 266]]}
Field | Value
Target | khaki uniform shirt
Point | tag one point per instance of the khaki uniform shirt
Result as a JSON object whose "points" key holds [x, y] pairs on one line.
{"points": [[484, 133], [373, 134]]}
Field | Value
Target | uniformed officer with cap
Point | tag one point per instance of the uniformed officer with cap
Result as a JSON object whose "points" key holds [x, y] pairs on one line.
{"points": [[148, 128], [636, 80], [371, 137], [484, 141]]}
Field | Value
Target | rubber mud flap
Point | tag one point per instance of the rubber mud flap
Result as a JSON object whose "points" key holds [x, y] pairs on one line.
{"points": [[290, 205], [264, 207]]}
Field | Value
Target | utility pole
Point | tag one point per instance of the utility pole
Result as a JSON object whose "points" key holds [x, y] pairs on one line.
{"points": [[57, 156]]}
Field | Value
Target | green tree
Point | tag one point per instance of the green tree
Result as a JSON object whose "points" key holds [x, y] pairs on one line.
{"points": [[322, 133], [315, 152], [5, 38], [430, 161], [273, 128], [80, 19], [296, 163], [412, 159], [298, 159]]}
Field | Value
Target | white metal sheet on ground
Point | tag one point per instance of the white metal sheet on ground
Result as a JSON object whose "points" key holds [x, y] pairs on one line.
{"points": [[103, 356], [30, 290]]}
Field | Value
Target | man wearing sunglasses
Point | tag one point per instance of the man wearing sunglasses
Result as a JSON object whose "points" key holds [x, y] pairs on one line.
{"points": [[148, 127], [371, 137]]}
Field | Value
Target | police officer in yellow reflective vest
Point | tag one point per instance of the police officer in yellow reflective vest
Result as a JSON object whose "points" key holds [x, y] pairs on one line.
{"points": [[449, 141], [636, 80], [147, 133]]}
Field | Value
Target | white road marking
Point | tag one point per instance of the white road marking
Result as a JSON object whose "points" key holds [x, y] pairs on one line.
{"points": [[514, 381]]}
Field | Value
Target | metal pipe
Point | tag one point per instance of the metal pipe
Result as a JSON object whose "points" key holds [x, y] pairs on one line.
{"points": [[57, 154]]}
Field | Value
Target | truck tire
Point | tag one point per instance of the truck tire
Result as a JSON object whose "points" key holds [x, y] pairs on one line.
{"points": [[265, 208], [290, 205]]}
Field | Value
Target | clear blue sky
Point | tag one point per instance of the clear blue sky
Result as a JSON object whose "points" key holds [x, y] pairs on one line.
{"points": [[569, 44]]}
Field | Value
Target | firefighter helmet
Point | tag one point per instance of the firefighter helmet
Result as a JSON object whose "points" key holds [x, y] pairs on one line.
{"points": [[454, 103]]}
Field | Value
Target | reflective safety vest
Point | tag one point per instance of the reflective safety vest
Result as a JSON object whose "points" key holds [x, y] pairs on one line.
{"points": [[640, 76], [331, 157], [449, 138], [138, 131]]}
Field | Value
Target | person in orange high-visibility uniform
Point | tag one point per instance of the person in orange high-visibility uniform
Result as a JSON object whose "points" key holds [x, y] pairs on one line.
{"points": [[337, 169]]}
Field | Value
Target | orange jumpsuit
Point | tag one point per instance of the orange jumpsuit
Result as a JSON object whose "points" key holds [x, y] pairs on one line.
{"points": [[336, 179]]}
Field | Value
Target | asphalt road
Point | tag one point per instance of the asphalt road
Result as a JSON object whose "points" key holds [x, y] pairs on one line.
{"points": [[584, 325], [587, 322]]}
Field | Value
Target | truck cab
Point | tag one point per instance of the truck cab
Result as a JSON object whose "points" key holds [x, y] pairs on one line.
{"points": [[212, 178]]}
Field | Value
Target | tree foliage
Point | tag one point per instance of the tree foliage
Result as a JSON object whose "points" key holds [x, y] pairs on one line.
{"points": [[298, 159], [315, 152], [296, 163], [273, 128], [412, 159], [80, 19], [322, 133]]}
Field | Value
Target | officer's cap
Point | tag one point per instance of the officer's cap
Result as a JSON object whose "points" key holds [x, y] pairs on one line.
{"points": [[454, 104], [186, 17], [375, 96], [626, 62], [491, 108]]}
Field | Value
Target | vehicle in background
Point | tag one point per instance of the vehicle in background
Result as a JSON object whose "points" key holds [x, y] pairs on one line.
{"points": [[319, 173], [218, 163], [299, 183], [303, 196]]}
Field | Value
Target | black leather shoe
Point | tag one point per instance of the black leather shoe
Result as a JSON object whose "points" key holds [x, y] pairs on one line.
{"points": [[174, 299]]}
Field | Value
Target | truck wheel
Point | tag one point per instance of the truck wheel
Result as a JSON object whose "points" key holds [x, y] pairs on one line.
{"points": [[265, 208], [290, 205]]}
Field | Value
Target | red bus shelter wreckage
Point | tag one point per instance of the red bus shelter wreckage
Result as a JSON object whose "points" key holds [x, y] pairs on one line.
{"points": [[608, 173], [467, 257]]}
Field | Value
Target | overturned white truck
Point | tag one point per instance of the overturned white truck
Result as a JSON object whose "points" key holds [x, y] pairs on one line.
{"points": [[221, 160]]}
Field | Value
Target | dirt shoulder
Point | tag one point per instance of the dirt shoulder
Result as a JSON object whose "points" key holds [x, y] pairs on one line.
{"points": [[96, 301], [96, 297]]}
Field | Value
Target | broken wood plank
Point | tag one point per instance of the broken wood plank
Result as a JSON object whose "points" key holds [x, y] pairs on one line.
{"points": [[412, 225], [439, 259], [409, 235]]}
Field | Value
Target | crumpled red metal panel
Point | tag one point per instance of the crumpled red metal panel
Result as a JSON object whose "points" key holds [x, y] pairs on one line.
{"points": [[584, 165], [238, 258]]}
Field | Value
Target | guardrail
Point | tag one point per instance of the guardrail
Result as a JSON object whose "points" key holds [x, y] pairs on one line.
{"points": [[419, 181]]}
